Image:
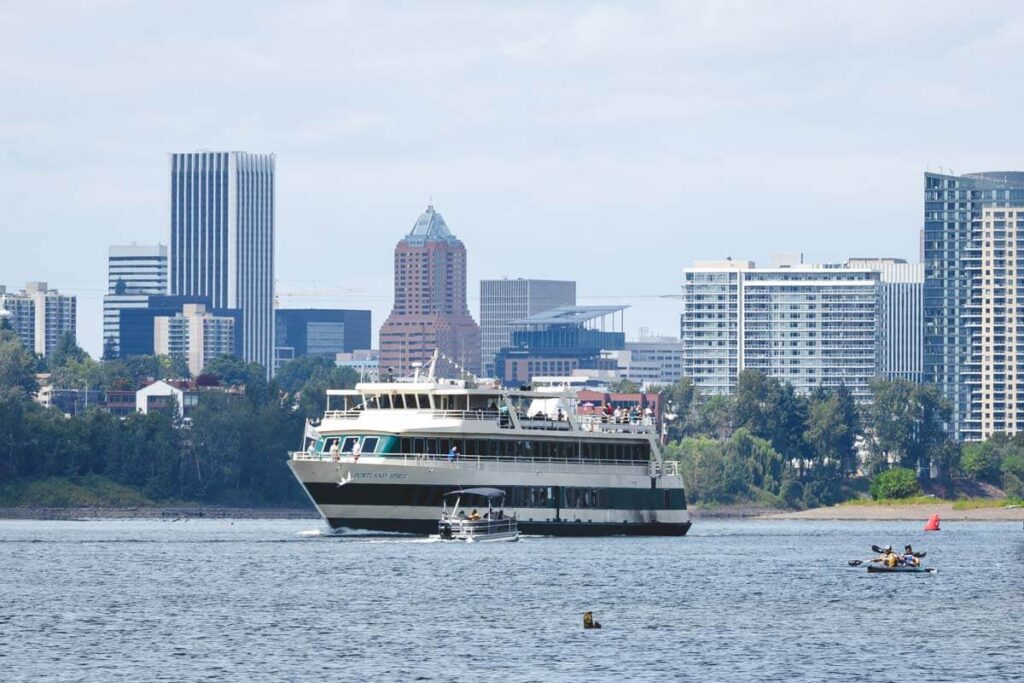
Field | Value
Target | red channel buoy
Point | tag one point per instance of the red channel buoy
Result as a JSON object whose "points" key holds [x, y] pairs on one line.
{"points": [[933, 523]]}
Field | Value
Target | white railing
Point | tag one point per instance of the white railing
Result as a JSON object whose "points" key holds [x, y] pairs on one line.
{"points": [[586, 423], [497, 462]]}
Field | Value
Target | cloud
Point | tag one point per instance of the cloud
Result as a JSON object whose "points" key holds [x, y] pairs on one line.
{"points": [[663, 131]]}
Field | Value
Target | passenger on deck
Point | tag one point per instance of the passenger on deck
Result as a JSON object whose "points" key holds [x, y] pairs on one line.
{"points": [[462, 514], [453, 454], [474, 515], [335, 453]]}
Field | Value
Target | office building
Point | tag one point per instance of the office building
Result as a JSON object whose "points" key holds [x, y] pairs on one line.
{"points": [[194, 334], [900, 316], [504, 301], [222, 240], [136, 325], [134, 273], [650, 361], [559, 342], [952, 215], [366, 362], [430, 310], [811, 326], [40, 316], [319, 332], [994, 373]]}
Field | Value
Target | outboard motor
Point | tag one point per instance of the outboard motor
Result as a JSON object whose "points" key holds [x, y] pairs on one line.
{"points": [[446, 531]]}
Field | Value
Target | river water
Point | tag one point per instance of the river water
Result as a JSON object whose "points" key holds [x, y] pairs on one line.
{"points": [[218, 600]]}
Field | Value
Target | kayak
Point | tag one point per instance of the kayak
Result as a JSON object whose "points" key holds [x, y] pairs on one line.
{"points": [[876, 569]]}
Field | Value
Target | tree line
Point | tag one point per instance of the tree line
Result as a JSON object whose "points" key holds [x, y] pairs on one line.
{"points": [[231, 450], [768, 443]]}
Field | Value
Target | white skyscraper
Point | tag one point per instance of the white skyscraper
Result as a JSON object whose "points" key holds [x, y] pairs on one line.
{"points": [[900, 316], [811, 326], [222, 239], [134, 273], [40, 316], [994, 372]]}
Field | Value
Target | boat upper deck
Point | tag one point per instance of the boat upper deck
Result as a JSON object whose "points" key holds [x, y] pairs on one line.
{"points": [[424, 403]]}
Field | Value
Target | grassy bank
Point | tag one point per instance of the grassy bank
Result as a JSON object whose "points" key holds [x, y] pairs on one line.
{"points": [[958, 503], [59, 492]]}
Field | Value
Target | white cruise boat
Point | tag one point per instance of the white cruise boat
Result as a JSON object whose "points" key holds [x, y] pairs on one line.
{"points": [[385, 454]]}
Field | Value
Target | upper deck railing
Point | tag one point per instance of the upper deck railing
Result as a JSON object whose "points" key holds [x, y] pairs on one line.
{"points": [[583, 422], [498, 462]]}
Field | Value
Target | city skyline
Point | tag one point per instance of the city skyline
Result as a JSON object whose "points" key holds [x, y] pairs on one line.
{"points": [[574, 132]]}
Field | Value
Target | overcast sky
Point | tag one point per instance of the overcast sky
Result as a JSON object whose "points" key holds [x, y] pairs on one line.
{"points": [[610, 143]]}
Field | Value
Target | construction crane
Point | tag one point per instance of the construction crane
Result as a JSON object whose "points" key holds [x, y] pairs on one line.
{"points": [[315, 291]]}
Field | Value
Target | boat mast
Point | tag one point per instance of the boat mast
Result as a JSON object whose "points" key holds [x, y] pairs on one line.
{"points": [[433, 365]]}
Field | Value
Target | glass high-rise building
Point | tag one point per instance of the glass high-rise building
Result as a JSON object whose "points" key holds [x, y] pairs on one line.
{"points": [[504, 301], [952, 223], [134, 273], [222, 239]]}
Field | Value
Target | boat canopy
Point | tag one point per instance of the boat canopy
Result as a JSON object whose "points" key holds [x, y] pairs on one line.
{"points": [[489, 493]]}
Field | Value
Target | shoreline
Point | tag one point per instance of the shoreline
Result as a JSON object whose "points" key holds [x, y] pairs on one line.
{"points": [[861, 513], [169, 512], [902, 513]]}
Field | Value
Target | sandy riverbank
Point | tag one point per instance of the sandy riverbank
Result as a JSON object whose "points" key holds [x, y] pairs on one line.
{"points": [[181, 512], [920, 511]]}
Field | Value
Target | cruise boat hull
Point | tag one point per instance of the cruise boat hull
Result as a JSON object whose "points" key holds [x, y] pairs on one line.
{"points": [[389, 496]]}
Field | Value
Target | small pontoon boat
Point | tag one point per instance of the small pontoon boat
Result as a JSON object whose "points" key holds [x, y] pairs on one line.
{"points": [[494, 525]]}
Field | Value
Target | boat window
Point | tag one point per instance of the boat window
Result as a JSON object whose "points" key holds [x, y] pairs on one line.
{"points": [[370, 444], [327, 443], [410, 400], [384, 401], [348, 443]]}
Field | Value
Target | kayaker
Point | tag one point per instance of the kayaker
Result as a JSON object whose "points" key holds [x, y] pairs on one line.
{"points": [[909, 559], [888, 557]]}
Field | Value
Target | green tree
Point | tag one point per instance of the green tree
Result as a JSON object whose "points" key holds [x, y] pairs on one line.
{"points": [[982, 461], [771, 410], [17, 364], [679, 401], [908, 420], [831, 432], [66, 350], [75, 373], [714, 417], [899, 482], [233, 371], [313, 398], [624, 386], [761, 464], [294, 374]]}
